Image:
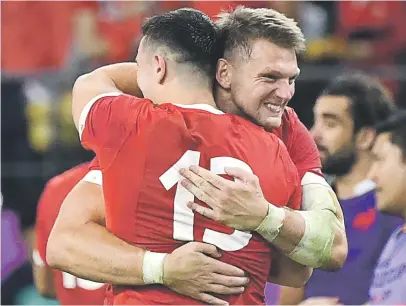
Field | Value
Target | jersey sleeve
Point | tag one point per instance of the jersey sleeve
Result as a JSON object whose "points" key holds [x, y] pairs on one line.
{"points": [[94, 164], [94, 175], [106, 121], [302, 148], [295, 201]]}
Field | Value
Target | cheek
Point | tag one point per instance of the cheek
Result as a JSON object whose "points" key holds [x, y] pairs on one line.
{"points": [[390, 177], [292, 89], [334, 139]]}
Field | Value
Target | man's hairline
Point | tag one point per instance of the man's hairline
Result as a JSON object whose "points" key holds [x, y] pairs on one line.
{"points": [[250, 42]]}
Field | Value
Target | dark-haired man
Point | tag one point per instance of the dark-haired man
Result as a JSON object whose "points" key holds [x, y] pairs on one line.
{"points": [[345, 115]]}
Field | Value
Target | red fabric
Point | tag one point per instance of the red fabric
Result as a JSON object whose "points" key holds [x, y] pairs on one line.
{"points": [[378, 15], [48, 208], [388, 16], [137, 142], [300, 144], [212, 8], [36, 35], [117, 28]]}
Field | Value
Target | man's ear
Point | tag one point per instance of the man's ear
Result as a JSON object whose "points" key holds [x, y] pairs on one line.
{"points": [[224, 73], [365, 138], [160, 68]]}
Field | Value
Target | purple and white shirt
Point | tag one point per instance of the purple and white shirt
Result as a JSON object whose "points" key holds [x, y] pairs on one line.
{"points": [[389, 283]]}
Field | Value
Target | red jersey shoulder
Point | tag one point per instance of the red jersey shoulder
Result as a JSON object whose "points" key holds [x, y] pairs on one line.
{"points": [[300, 144], [288, 122], [106, 123]]}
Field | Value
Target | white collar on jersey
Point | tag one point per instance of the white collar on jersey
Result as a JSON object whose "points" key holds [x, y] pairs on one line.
{"points": [[363, 187], [205, 107]]}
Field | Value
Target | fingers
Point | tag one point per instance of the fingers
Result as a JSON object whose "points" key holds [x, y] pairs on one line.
{"points": [[207, 249], [209, 299], [198, 193], [221, 289], [215, 180], [205, 212], [230, 281], [199, 181], [223, 268], [242, 175]]}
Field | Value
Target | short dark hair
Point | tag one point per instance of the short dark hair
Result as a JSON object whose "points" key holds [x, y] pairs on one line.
{"points": [[371, 102], [189, 34], [243, 25], [396, 126]]}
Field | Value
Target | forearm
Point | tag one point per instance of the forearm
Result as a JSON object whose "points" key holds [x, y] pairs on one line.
{"points": [[103, 81], [286, 272], [317, 230], [122, 75], [90, 251], [315, 238], [43, 280], [291, 296]]}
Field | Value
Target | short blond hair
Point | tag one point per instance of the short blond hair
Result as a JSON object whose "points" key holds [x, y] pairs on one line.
{"points": [[240, 27]]}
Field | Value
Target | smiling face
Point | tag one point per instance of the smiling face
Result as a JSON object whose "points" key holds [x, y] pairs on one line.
{"points": [[262, 84]]}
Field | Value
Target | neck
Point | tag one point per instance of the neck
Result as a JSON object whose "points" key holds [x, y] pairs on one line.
{"points": [[345, 184], [186, 93], [225, 102]]}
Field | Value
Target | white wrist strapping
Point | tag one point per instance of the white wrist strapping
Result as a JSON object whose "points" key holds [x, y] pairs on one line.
{"points": [[272, 223], [153, 267]]}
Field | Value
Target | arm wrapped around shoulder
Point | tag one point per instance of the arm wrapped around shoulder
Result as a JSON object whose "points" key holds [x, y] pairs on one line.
{"points": [[324, 243], [314, 237]]}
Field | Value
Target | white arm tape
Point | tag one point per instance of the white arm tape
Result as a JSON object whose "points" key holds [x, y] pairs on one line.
{"points": [[36, 258], [153, 268], [321, 216], [272, 223], [321, 223], [94, 177], [315, 247]]}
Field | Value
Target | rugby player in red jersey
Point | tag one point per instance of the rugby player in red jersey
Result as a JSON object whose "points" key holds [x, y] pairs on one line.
{"points": [[318, 198], [68, 289], [141, 145]]}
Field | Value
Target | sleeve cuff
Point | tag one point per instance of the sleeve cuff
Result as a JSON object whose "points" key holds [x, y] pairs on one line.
{"points": [[88, 107], [94, 177], [36, 258]]}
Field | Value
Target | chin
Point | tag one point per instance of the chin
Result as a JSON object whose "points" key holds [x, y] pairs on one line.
{"points": [[273, 123], [383, 205]]}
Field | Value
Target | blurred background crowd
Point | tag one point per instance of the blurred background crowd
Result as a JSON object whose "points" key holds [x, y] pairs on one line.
{"points": [[45, 46]]}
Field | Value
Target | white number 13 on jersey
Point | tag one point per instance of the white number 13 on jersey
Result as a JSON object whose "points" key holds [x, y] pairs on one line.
{"points": [[183, 217]]}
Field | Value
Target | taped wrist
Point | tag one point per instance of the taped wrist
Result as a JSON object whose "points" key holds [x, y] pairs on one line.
{"points": [[272, 223], [153, 267]]}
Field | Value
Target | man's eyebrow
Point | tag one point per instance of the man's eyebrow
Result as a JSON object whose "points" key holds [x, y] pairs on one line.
{"points": [[277, 74], [330, 116]]}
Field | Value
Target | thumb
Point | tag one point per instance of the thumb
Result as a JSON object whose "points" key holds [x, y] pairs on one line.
{"points": [[207, 249], [241, 175]]}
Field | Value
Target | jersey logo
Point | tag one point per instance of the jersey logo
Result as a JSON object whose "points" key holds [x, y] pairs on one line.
{"points": [[364, 220]]}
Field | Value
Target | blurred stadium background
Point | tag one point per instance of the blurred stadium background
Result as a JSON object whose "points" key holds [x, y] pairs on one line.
{"points": [[46, 45]]}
